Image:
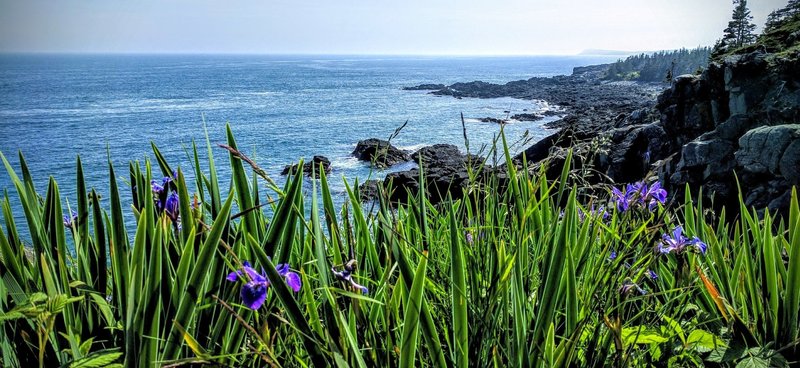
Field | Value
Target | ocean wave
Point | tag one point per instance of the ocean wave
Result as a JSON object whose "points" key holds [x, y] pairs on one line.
{"points": [[346, 163], [413, 147]]}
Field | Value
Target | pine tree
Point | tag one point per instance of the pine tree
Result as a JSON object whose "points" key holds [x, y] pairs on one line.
{"points": [[740, 30], [775, 19]]}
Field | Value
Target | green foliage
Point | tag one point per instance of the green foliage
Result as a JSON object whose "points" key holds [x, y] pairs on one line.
{"points": [[517, 273], [659, 66], [776, 18], [740, 31]]}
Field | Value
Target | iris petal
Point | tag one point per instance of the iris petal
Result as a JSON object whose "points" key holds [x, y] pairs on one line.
{"points": [[233, 276], [254, 294], [293, 280]]}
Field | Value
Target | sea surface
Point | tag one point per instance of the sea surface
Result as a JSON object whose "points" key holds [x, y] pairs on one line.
{"points": [[280, 108]]}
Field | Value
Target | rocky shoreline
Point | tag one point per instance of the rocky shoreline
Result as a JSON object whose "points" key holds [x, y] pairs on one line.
{"points": [[738, 120], [588, 105]]}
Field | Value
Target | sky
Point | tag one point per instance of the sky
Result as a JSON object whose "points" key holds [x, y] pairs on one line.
{"points": [[414, 27]]}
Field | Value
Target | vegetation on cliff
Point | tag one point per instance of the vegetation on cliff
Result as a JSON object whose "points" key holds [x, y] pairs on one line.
{"points": [[740, 30], [659, 66], [780, 37]]}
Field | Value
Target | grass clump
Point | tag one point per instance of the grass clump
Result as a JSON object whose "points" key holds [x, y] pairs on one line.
{"points": [[527, 272]]}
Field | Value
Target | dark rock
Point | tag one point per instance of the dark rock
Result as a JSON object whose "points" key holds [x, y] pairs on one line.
{"points": [[527, 117], [541, 149], [764, 149], [425, 87], [633, 149], [789, 165], [446, 173], [493, 120], [379, 152], [310, 167], [369, 190], [438, 155], [738, 116]]}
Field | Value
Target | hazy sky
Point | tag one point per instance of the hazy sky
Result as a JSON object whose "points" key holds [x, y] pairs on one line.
{"points": [[472, 27]]}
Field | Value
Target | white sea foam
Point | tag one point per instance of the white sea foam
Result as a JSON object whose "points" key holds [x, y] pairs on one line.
{"points": [[346, 163], [413, 147]]}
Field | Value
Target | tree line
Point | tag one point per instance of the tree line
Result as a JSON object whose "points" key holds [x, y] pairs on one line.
{"points": [[665, 65], [659, 66]]}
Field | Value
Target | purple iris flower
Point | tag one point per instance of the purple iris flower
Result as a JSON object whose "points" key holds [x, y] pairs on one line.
{"points": [[254, 291], [171, 207], [639, 193], [156, 187], [652, 274], [70, 219], [653, 195], [629, 286], [165, 184], [613, 255], [622, 200], [468, 238], [635, 188], [291, 277], [168, 179], [677, 243], [346, 275]]}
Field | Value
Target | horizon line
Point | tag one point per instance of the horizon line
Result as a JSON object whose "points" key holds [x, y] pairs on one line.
{"points": [[609, 53]]}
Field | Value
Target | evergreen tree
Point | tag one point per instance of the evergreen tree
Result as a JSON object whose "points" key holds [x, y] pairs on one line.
{"points": [[775, 18], [740, 30]]}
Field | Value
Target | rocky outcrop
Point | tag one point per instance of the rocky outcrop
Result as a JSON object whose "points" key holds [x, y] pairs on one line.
{"points": [[737, 119], [379, 152], [493, 120], [771, 150], [425, 87], [445, 173], [310, 168]]}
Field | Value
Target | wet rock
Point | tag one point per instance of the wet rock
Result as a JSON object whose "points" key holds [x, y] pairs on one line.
{"points": [[379, 152], [425, 87], [445, 173]]}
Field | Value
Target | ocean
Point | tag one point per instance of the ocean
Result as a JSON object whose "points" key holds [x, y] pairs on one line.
{"points": [[280, 108]]}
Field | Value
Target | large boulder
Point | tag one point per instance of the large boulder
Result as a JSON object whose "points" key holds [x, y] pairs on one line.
{"points": [[445, 172], [379, 152], [634, 148], [438, 155], [712, 157], [771, 150]]}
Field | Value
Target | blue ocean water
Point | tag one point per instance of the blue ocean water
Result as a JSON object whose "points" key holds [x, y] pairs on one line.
{"points": [[281, 108]]}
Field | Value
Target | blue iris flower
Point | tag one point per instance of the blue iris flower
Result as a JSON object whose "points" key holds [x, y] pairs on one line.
{"points": [[254, 291], [639, 193], [622, 200], [70, 219], [653, 195], [677, 243], [156, 187], [629, 286], [172, 207], [346, 275]]}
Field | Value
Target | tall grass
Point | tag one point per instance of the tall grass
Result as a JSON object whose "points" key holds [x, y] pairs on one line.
{"points": [[519, 272]]}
